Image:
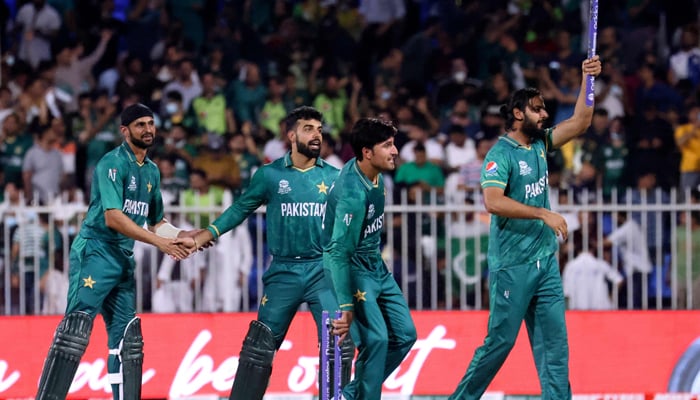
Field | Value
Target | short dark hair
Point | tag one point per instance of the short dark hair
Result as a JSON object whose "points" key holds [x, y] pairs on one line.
{"points": [[519, 99], [199, 172], [303, 112], [367, 132]]}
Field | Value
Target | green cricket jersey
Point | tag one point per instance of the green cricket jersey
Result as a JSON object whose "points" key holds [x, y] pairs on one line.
{"points": [[295, 200], [522, 172], [352, 227], [12, 151], [121, 182]]}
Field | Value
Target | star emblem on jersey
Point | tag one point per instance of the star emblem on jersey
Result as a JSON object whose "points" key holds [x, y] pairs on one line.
{"points": [[264, 300], [149, 186], [360, 296], [88, 282], [542, 155], [322, 188]]}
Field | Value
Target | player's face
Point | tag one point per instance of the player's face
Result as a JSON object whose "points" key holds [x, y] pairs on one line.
{"points": [[383, 155], [535, 115], [142, 132], [307, 137]]}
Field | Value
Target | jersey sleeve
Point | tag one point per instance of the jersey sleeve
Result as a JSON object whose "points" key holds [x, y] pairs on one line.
{"points": [[495, 171], [155, 214], [109, 176], [347, 228], [250, 200], [548, 144]]}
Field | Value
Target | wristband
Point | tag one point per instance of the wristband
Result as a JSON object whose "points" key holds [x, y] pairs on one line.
{"points": [[167, 231]]}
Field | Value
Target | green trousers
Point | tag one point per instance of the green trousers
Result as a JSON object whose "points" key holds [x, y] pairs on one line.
{"points": [[288, 284], [533, 293], [382, 330], [101, 279]]}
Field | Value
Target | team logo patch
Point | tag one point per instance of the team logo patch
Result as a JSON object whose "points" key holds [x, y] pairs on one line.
{"points": [[524, 168], [132, 184], [491, 168], [113, 174], [370, 211], [284, 187]]}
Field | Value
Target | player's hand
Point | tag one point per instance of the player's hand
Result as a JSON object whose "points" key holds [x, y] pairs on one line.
{"points": [[341, 326], [592, 66], [192, 234], [175, 250], [557, 223], [187, 243]]}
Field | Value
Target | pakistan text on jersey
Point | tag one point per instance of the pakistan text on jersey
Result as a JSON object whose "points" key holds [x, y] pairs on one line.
{"points": [[135, 207], [537, 188], [375, 226], [305, 209]]}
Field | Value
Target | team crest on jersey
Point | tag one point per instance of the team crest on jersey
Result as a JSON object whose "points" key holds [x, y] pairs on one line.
{"points": [[112, 173], [370, 211], [132, 184], [524, 168], [284, 187], [491, 168]]}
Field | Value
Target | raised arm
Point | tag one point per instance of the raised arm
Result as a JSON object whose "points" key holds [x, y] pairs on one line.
{"points": [[581, 120]]}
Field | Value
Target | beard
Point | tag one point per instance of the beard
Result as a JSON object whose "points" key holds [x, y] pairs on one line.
{"points": [[531, 130], [308, 152], [140, 143]]}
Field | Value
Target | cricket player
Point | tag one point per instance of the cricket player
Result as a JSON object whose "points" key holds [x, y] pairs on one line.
{"points": [[294, 189], [524, 279], [125, 195], [368, 295]]}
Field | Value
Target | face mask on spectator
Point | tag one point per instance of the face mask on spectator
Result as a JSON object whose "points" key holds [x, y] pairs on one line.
{"points": [[171, 108], [459, 76]]}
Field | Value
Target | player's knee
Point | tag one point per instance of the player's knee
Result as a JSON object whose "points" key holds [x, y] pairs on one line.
{"points": [[69, 344], [259, 345], [347, 350], [132, 347], [127, 370], [73, 334], [408, 337]]}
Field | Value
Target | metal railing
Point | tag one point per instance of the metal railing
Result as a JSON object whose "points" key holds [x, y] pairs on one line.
{"points": [[436, 251]]}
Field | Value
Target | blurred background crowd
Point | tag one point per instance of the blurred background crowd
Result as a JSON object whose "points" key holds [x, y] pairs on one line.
{"points": [[222, 74]]}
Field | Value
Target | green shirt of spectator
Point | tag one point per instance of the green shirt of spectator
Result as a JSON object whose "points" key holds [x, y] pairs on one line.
{"points": [[332, 103], [12, 150], [271, 116], [210, 113], [421, 171]]}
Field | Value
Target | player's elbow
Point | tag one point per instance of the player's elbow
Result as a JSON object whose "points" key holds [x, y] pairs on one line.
{"points": [[493, 201], [111, 218], [492, 206]]}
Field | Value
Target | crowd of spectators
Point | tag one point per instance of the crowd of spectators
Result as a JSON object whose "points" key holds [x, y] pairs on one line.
{"points": [[217, 70], [222, 74]]}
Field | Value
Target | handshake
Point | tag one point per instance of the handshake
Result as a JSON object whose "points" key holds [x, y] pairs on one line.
{"points": [[186, 243]]}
